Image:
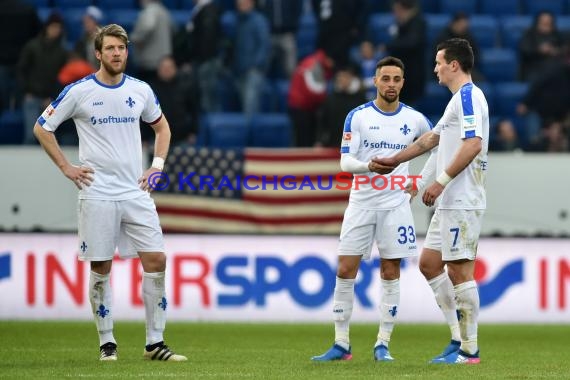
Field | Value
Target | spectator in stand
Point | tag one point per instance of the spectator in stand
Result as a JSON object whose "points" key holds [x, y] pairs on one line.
{"points": [[367, 60], [308, 90], [250, 55], [553, 139], [178, 96], [85, 45], [340, 26], [505, 137], [199, 49], [152, 38], [409, 44], [74, 69], [283, 16], [348, 93], [458, 27], [38, 68], [17, 16], [540, 47], [547, 100]]}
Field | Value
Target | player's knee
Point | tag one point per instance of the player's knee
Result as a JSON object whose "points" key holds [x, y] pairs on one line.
{"points": [[101, 267], [154, 262], [430, 268]]}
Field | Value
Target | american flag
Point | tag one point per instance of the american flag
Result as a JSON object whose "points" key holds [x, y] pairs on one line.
{"points": [[224, 207]]}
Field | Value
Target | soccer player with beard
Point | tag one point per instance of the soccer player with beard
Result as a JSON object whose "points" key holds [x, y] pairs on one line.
{"points": [[379, 128], [114, 207]]}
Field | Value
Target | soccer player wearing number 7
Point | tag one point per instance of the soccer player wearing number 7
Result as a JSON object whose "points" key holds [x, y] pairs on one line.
{"points": [[375, 214], [459, 195], [115, 208]]}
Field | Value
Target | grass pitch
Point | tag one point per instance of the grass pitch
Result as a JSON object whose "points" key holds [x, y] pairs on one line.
{"points": [[56, 350]]}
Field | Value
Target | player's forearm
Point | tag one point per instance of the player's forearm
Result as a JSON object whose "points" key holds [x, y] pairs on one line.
{"points": [[427, 174], [162, 140], [49, 143], [349, 163], [426, 142], [467, 152]]}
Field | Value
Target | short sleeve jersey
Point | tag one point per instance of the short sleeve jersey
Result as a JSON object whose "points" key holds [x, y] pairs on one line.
{"points": [[369, 132], [466, 116], [107, 122]]}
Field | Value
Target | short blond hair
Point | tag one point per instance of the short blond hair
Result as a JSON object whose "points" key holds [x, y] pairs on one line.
{"points": [[112, 30]]}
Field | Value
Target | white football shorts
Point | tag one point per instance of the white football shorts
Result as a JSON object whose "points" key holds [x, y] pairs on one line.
{"points": [[392, 230], [455, 233], [131, 225]]}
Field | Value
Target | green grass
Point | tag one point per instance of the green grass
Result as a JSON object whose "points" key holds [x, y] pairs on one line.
{"points": [[58, 350]]}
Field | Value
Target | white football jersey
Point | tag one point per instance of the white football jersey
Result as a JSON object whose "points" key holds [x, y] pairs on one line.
{"points": [[466, 116], [107, 122], [369, 132]]}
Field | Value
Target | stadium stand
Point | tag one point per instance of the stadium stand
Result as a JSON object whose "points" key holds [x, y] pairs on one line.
{"points": [[226, 130], [499, 7], [499, 64], [272, 130], [453, 6]]}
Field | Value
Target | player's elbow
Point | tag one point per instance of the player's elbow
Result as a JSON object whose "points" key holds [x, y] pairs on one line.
{"points": [[475, 145]]}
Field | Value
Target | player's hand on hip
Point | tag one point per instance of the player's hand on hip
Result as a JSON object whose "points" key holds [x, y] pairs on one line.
{"points": [[431, 194], [148, 181], [80, 175]]}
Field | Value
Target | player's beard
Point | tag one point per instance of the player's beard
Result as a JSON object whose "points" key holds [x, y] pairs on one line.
{"points": [[389, 98], [112, 70]]}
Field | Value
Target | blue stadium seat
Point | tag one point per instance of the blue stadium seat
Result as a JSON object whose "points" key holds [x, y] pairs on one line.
{"points": [[378, 25], [43, 13], [271, 130], [229, 21], [512, 29], [532, 7], [500, 7], [282, 92], [563, 23], [11, 127], [375, 6], [509, 94], [226, 130], [499, 64], [306, 35], [171, 4], [180, 17], [39, 3], [227, 5], [429, 6], [73, 20], [489, 91], [124, 17], [485, 30], [117, 4], [434, 100], [454, 6], [62, 4], [186, 4], [435, 24]]}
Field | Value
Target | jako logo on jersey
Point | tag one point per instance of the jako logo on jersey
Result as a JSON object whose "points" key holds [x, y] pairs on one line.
{"points": [[113, 120], [100, 103], [490, 290], [374, 127], [383, 145]]}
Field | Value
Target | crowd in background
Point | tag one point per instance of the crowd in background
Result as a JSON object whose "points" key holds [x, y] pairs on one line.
{"points": [[222, 57]]}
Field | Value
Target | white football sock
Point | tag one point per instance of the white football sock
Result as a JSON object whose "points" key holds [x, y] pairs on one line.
{"points": [[100, 297], [445, 298], [342, 310], [388, 310], [467, 297], [154, 297]]}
